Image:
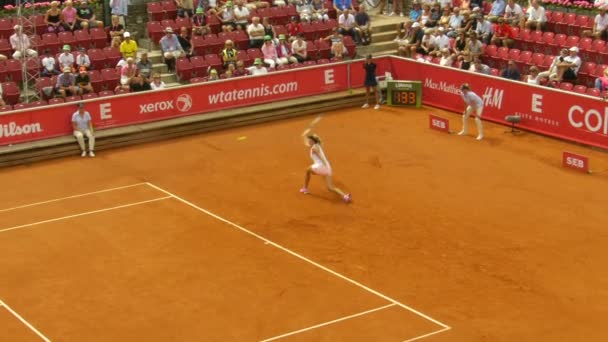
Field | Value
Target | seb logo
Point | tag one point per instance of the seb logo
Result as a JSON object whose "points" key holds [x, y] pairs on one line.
{"points": [[575, 161], [183, 103], [591, 119], [438, 123], [493, 97]]}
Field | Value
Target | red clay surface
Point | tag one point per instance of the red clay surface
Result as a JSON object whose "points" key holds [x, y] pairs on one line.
{"points": [[491, 238]]}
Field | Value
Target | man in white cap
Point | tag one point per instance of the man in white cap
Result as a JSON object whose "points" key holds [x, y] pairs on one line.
{"points": [[473, 103], [21, 44], [128, 47], [568, 69], [83, 125], [414, 42], [171, 47]]}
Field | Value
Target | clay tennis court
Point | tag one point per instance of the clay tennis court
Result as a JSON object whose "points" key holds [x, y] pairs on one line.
{"points": [[207, 238]]}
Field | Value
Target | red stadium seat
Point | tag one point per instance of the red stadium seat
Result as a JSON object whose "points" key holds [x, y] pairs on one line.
{"points": [[581, 89], [593, 92], [581, 22], [585, 73], [198, 80], [6, 27], [106, 93], [255, 53], [98, 59], [110, 77], [83, 39], [199, 66], [324, 48], [51, 42], [525, 57], [170, 9], [67, 38], [214, 61], [96, 79], [571, 41], [10, 93], [89, 96], [75, 98], [566, 86], [155, 11], [56, 100], [243, 56], [113, 55], [183, 69], [155, 31], [44, 87], [99, 37]]}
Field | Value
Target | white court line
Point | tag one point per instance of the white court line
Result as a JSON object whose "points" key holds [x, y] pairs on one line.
{"points": [[354, 282], [328, 323], [70, 197], [3, 304], [428, 335], [83, 214]]}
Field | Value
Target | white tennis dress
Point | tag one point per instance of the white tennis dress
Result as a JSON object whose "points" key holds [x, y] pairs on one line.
{"points": [[320, 164]]}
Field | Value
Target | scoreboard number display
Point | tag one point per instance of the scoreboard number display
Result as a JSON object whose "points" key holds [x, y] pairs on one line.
{"points": [[404, 93]]}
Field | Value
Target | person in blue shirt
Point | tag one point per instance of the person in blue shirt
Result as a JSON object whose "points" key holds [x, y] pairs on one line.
{"points": [[498, 8], [341, 5]]}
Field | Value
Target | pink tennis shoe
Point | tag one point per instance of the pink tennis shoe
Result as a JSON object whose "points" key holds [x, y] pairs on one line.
{"points": [[347, 198], [304, 190]]}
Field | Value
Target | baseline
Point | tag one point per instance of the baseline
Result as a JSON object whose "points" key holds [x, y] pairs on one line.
{"points": [[328, 323], [445, 327], [22, 320], [83, 214], [70, 197]]}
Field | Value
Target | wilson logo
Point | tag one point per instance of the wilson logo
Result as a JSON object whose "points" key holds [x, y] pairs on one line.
{"points": [[12, 129]]}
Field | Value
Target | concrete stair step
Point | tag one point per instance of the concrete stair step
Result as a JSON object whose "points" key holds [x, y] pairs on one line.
{"points": [[383, 37]]}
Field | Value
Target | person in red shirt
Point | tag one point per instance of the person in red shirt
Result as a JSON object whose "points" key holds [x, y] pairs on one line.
{"points": [[294, 27], [503, 34]]}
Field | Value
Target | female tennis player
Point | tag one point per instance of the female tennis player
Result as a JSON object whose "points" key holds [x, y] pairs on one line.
{"points": [[320, 165], [371, 83]]}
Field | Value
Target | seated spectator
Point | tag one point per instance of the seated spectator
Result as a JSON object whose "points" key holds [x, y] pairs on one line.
{"points": [[469, 21], [119, 8], [213, 75], [69, 16], [474, 45], [284, 53], [497, 10], [484, 29], [294, 27], [171, 48], [425, 16], [268, 29], [271, 57], [185, 41], [346, 23], [511, 72], [85, 16], [116, 29], [433, 20], [426, 44], [568, 69], [241, 14], [255, 4], [341, 5], [49, 64], [533, 78], [82, 82], [229, 72], [82, 126], [415, 12], [279, 3], [128, 73], [258, 68], [226, 17], [83, 60], [479, 67], [551, 74], [200, 26], [255, 30], [139, 84], [299, 48], [440, 41], [338, 50], [503, 35], [460, 44], [157, 83], [444, 19], [115, 43], [229, 53], [455, 23], [66, 83], [415, 40], [54, 18], [537, 18], [240, 69], [600, 24], [601, 83], [144, 66], [447, 58], [128, 47], [363, 27], [66, 59], [21, 44], [304, 10], [319, 12], [185, 8], [210, 7], [514, 15]]}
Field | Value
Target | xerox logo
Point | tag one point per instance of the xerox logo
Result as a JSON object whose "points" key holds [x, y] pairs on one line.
{"points": [[591, 119], [184, 103]]}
